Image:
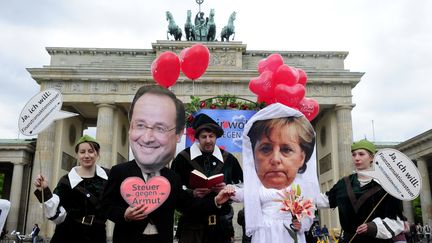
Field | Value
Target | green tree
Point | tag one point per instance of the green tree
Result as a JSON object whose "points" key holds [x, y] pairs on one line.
{"points": [[417, 210]]}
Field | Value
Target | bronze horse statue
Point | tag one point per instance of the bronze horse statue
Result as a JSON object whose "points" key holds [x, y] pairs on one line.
{"points": [[211, 26], [173, 28], [228, 30], [189, 27]]}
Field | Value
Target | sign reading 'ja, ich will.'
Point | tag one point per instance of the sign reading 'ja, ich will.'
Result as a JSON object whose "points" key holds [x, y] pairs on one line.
{"points": [[396, 173], [40, 111]]}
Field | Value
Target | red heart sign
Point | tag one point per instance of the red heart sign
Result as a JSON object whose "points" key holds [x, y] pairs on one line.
{"points": [[309, 107], [153, 193]]}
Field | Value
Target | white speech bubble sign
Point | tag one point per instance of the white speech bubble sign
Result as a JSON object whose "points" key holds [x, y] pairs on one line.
{"points": [[40, 111], [396, 173]]}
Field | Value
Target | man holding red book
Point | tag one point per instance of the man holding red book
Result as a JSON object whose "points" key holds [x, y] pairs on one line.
{"points": [[207, 158]]}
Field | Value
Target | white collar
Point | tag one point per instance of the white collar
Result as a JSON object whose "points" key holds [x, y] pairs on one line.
{"points": [[195, 151], [75, 179]]}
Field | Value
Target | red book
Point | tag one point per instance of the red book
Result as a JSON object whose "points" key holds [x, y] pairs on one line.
{"points": [[199, 180]]}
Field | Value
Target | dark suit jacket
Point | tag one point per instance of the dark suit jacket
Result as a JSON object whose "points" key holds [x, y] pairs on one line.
{"points": [[163, 217], [35, 231]]}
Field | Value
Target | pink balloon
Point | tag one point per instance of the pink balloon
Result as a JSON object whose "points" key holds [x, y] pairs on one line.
{"points": [[302, 76], [289, 95], [286, 75], [194, 61], [271, 63], [262, 85], [166, 69], [309, 107], [153, 193]]}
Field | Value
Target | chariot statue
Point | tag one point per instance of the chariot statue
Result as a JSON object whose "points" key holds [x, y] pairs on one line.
{"points": [[202, 28]]}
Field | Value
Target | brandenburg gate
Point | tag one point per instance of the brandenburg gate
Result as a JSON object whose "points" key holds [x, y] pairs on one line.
{"points": [[99, 84]]}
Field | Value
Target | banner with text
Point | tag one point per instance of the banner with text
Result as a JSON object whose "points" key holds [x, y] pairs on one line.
{"points": [[232, 122]]}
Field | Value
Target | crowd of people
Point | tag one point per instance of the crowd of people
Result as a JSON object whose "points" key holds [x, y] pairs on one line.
{"points": [[278, 145], [418, 233]]}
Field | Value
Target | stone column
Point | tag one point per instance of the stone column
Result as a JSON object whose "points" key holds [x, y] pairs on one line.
{"points": [[15, 197], [425, 195], [43, 163], [104, 133], [345, 137], [408, 211]]}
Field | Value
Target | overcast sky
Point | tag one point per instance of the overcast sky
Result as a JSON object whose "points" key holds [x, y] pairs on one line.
{"points": [[389, 40]]}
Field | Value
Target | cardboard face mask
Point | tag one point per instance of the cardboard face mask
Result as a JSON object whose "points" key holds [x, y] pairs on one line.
{"points": [[152, 194]]}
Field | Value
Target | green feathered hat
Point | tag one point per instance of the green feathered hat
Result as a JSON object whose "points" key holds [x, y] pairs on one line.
{"points": [[86, 139], [364, 144]]}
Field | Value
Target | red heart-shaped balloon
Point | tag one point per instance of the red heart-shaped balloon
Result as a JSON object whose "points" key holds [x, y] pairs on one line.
{"points": [[152, 194], [302, 78], [289, 95], [309, 107], [262, 85], [182, 53], [194, 61], [190, 133], [271, 63], [166, 69], [267, 100], [286, 75]]}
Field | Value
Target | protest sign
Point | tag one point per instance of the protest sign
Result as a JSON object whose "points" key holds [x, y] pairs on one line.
{"points": [[396, 173], [152, 194], [40, 111]]}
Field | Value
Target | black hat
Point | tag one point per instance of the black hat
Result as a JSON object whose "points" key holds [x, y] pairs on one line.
{"points": [[204, 122]]}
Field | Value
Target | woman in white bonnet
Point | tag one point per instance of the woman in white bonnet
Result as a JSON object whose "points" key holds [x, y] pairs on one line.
{"points": [[278, 144]]}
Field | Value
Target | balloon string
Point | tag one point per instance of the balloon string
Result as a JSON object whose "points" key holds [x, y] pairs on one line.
{"points": [[193, 87], [373, 210]]}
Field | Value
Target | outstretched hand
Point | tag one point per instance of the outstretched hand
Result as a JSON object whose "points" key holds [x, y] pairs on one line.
{"points": [[219, 187], [225, 194]]}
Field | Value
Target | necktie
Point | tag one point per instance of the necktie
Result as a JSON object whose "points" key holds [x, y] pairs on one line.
{"points": [[149, 175]]}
